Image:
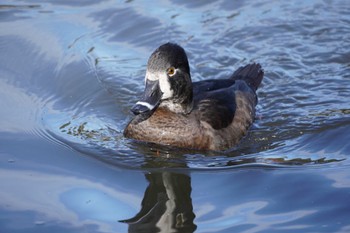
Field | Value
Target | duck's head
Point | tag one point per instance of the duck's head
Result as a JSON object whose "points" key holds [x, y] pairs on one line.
{"points": [[168, 82]]}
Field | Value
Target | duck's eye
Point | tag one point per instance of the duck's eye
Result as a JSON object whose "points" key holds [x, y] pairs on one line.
{"points": [[171, 71]]}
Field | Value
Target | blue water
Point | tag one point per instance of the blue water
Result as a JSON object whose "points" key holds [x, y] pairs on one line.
{"points": [[71, 70]]}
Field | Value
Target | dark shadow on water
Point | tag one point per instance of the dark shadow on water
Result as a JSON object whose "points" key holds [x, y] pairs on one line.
{"points": [[166, 205]]}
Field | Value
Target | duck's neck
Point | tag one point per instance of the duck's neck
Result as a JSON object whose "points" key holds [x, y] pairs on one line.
{"points": [[180, 105]]}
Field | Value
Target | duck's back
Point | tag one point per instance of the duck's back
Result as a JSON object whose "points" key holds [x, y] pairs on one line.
{"points": [[226, 108]]}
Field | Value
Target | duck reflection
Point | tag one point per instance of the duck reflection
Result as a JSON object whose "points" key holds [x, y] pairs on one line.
{"points": [[166, 206]]}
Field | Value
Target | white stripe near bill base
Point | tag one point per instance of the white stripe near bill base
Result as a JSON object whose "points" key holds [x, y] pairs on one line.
{"points": [[147, 105]]}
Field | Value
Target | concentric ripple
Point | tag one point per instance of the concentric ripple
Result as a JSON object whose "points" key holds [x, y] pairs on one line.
{"points": [[302, 115]]}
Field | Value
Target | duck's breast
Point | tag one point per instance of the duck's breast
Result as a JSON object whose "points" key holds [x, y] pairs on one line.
{"points": [[168, 128]]}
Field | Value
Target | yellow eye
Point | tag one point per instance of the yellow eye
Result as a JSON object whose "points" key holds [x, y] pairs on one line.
{"points": [[171, 71]]}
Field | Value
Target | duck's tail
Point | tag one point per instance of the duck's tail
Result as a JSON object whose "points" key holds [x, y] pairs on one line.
{"points": [[252, 74]]}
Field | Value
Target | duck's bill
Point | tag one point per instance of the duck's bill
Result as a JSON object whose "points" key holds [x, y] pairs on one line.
{"points": [[150, 99]]}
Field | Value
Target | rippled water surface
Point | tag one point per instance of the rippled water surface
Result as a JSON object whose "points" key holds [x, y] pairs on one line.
{"points": [[71, 70]]}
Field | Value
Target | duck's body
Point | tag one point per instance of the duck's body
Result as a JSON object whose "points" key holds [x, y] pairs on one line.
{"points": [[209, 115]]}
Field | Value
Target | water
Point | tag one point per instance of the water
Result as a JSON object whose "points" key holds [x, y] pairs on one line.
{"points": [[70, 71]]}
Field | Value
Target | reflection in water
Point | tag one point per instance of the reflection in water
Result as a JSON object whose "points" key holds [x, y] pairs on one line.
{"points": [[166, 206]]}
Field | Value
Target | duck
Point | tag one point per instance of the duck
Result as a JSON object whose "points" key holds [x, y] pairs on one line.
{"points": [[213, 114]]}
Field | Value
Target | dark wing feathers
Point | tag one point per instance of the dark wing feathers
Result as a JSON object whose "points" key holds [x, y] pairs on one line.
{"points": [[217, 108], [215, 99]]}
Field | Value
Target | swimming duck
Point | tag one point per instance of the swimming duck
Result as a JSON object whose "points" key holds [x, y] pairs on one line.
{"points": [[205, 115]]}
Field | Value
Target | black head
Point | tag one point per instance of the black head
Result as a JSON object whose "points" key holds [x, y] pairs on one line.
{"points": [[166, 56], [168, 81]]}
